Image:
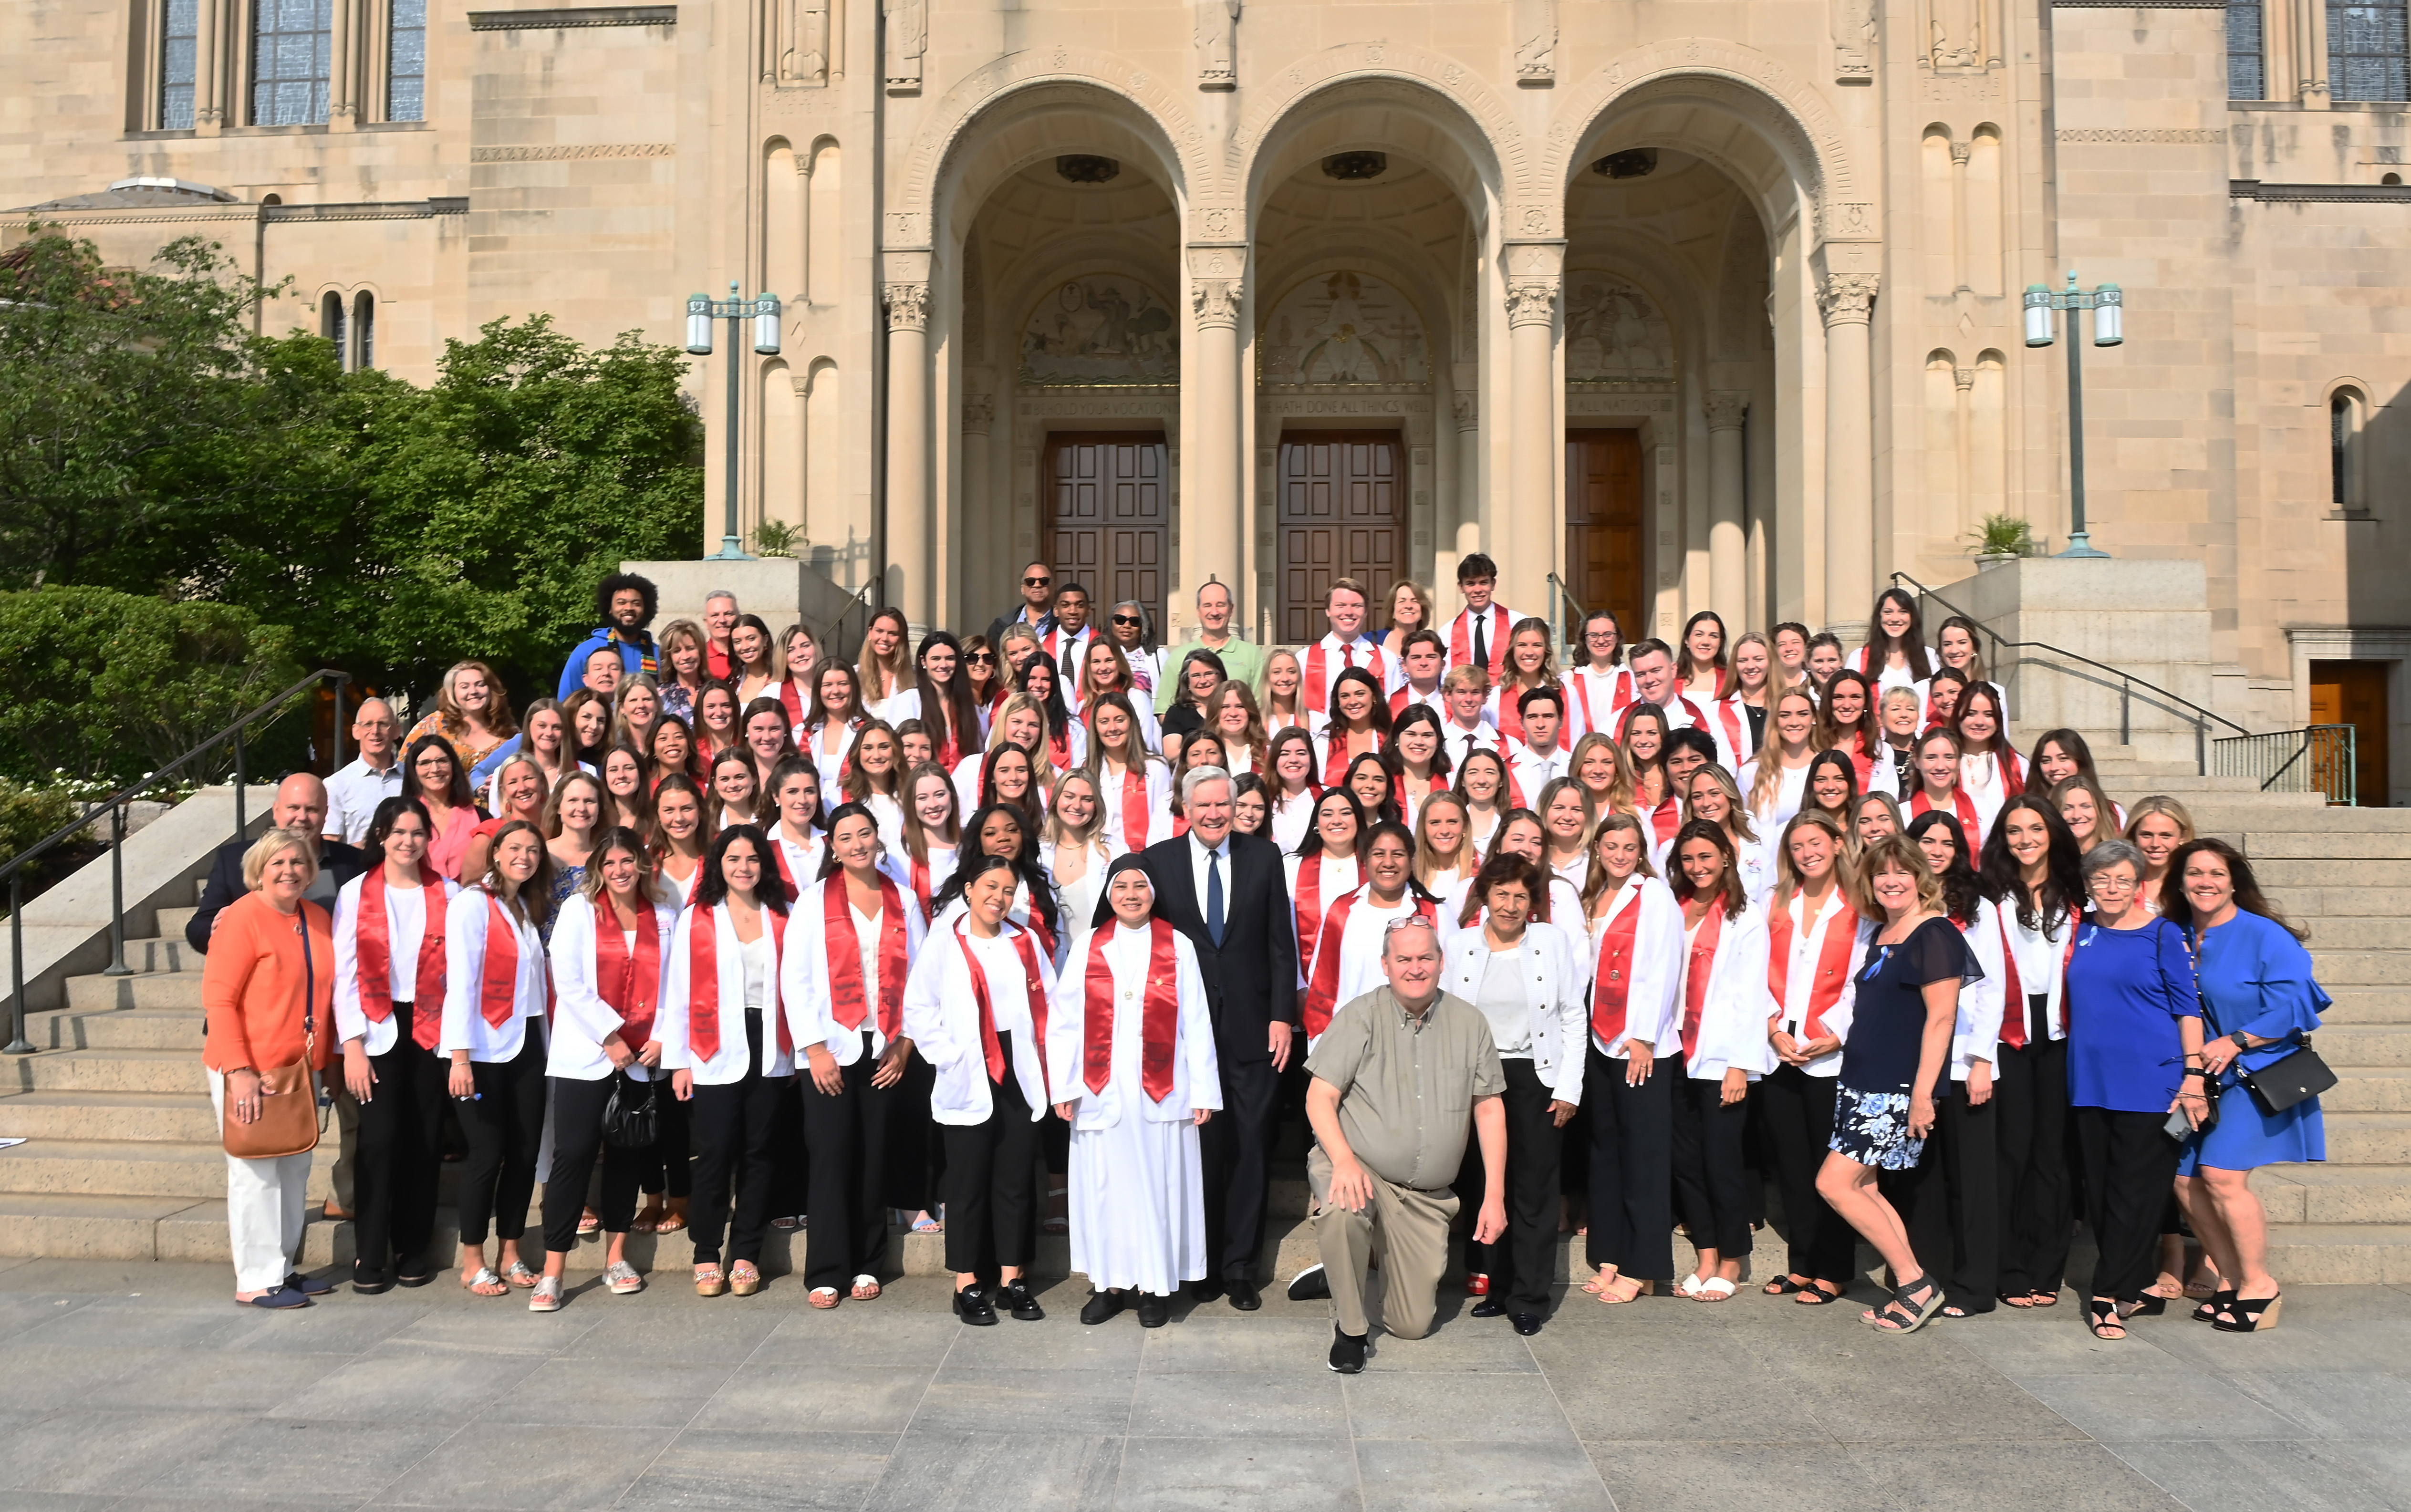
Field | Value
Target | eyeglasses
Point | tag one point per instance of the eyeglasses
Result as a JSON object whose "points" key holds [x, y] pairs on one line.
{"points": [[981, 658], [1036, 582], [1128, 619]]}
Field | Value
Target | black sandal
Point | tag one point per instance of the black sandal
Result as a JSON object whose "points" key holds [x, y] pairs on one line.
{"points": [[2252, 1315], [2219, 1303], [2103, 1314], [1902, 1314], [1783, 1285], [1815, 1295]]}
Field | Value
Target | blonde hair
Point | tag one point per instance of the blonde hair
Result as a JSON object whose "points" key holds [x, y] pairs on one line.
{"points": [[1470, 675], [1892, 849], [1595, 880], [1428, 861], [499, 718], [1058, 834], [1619, 785], [275, 843], [1788, 878], [2158, 803], [1013, 703], [1547, 672], [1766, 779], [1737, 813]]}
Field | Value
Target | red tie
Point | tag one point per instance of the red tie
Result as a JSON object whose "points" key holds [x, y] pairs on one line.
{"points": [[1348, 651]]}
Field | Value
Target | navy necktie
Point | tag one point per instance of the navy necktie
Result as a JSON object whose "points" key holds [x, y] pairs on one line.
{"points": [[1214, 897]]}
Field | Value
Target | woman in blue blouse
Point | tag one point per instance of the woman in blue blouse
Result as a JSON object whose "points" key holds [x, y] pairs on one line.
{"points": [[2261, 1003], [2133, 1029]]}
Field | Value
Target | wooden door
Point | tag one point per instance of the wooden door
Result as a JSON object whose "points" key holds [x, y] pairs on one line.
{"points": [[1342, 514], [2354, 693], [1603, 524], [1109, 517]]}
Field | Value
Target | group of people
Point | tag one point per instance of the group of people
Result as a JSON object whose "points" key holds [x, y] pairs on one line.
{"points": [[1053, 927]]}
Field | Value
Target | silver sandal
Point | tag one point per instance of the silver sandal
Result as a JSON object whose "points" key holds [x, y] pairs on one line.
{"points": [[621, 1278], [547, 1295]]}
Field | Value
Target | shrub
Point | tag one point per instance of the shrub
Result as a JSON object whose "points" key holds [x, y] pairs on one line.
{"points": [[27, 813]]}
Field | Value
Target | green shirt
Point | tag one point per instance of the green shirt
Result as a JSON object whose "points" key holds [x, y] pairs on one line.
{"points": [[1406, 1085], [1243, 659]]}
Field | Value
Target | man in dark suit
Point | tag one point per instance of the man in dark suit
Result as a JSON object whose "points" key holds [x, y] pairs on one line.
{"points": [[300, 804], [1226, 893]]}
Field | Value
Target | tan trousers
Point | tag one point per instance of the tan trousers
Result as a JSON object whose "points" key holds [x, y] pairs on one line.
{"points": [[1408, 1228], [347, 1137]]}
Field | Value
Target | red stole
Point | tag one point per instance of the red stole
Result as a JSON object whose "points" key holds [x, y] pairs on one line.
{"points": [[1961, 805], [1306, 907], [1832, 964], [1323, 986], [1460, 641], [1135, 805], [630, 984], [703, 981], [1728, 714], [921, 889], [1337, 758], [1318, 688], [498, 985], [786, 874], [1578, 683], [1159, 1014], [1511, 715], [791, 698], [1667, 818], [1405, 696], [1614, 980], [1514, 791], [2013, 1014], [1405, 794], [991, 1049], [1696, 972], [375, 955], [845, 945]]}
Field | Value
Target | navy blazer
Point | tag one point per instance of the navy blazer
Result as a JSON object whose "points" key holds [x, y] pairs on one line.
{"points": [[1251, 979]]}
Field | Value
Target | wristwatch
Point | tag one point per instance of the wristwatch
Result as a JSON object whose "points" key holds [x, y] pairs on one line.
{"points": [[2241, 1044]]}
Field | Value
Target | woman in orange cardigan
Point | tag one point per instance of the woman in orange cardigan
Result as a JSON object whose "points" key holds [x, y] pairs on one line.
{"points": [[271, 955]]}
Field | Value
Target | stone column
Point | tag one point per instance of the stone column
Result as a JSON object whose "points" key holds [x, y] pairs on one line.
{"points": [[988, 532], [208, 73], [910, 587], [343, 82], [1463, 536], [1727, 540], [1524, 544], [1847, 300], [1213, 505]]}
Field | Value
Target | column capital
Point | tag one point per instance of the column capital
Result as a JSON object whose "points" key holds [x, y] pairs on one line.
{"points": [[1531, 301], [908, 306], [1466, 406], [1848, 299], [1215, 301], [1726, 407], [979, 414]]}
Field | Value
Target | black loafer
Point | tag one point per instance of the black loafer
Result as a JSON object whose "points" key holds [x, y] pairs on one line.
{"points": [[1347, 1352], [972, 1306], [1310, 1284], [370, 1283], [1488, 1307], [1153, 1312], [418, 1278], [1205, 1291], [1244, 1296], [1527, 1324], [279, 1300], [1016, 1296], [1102, 1307], [309, 1285]]}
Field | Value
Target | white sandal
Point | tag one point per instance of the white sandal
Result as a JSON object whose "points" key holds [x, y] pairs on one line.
{"points": [[1714, 1289], [1689, 1286]]}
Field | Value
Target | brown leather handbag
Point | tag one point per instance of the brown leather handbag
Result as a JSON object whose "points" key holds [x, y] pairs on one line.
{"points": [[288, 1104]]}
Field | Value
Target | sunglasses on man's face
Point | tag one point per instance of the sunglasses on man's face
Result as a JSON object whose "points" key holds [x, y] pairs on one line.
{"points": [[1036, 582]]}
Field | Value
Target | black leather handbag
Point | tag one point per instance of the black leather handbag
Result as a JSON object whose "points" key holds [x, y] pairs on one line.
{"points": [[2297, 1078], [630, 1120]]}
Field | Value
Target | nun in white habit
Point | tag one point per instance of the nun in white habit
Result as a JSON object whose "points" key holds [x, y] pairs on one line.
{"points": [[1131, 1046]]}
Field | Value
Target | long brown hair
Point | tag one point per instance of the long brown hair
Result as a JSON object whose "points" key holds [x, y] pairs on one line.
{"points": [[2177, 908], [1728, 886]]}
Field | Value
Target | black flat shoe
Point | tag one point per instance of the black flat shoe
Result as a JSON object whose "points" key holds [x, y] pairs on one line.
{"points": [[1205, 1291], [1489, 1307], [1244, 1296], [2151, 1306], [309, 1285], [1153, 1312], [1016, 1296], [972, 1305], [1310, 1284], [1347, 1352], [1102, 1307], [1527, 1324], [370, 1283]]}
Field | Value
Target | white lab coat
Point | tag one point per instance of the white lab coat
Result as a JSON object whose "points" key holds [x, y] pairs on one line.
{"points": [[582, 1020]]}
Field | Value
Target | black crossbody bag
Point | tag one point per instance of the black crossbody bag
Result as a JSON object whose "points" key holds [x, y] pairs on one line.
{"points": [[630, 1119]]}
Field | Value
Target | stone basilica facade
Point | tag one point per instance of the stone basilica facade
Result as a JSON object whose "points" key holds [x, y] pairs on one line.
{"points": [[1668, 305]]}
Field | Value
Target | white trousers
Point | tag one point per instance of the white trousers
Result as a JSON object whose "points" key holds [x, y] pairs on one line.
{"points": [[265, 1211]]}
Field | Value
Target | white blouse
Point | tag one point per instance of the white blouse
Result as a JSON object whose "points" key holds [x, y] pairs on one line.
{"points": [[406, 915]]}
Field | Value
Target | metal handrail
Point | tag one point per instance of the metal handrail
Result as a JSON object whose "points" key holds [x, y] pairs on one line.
{"points": [[2336, 776], [1570, 643], [2128, 681], [114, 805], [861, 600]]}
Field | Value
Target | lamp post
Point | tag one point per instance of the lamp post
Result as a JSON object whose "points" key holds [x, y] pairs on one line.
{"points": [[763, 311], [2108, 305]]}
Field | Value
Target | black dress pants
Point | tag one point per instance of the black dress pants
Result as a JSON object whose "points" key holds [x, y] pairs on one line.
{"points": [[913, 1155], [2130, 1164], [1521, 1262], [846, 1144], [401, 1155], [734, 1124], [992, 1182], [505, 1128], [669, 1166], [1796, 1109], [1235, 1149], [2030, 1144], [576, 1145], [1950, 1202], [1711, 1185], [1631, 1168], [790, 1184]]}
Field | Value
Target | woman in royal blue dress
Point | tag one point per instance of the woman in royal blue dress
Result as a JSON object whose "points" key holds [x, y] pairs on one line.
{"points": [[2132, 1030], [2259, 1004], [1897, 1054]]}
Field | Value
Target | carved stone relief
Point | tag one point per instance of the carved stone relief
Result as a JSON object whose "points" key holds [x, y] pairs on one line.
{"points": [[908, 42], [1344, 327], [1536, 41], [1615, 332], [1101, 330], [1217, 44]]}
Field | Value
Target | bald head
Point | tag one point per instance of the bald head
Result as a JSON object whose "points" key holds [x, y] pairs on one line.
{"points": [[300, 804], [376, 732]]}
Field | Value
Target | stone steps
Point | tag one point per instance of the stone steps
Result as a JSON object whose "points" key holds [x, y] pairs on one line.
{"points": [[111, 1071], [132, 1168], [2328, 1193], [2368, 1005], [2343, 1254]]}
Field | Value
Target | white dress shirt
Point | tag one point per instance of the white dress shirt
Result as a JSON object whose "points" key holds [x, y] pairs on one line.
{"points": [[353, 795]]}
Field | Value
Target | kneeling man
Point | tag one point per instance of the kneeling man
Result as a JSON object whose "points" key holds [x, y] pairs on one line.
{"points": [[1396, 1076]]}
